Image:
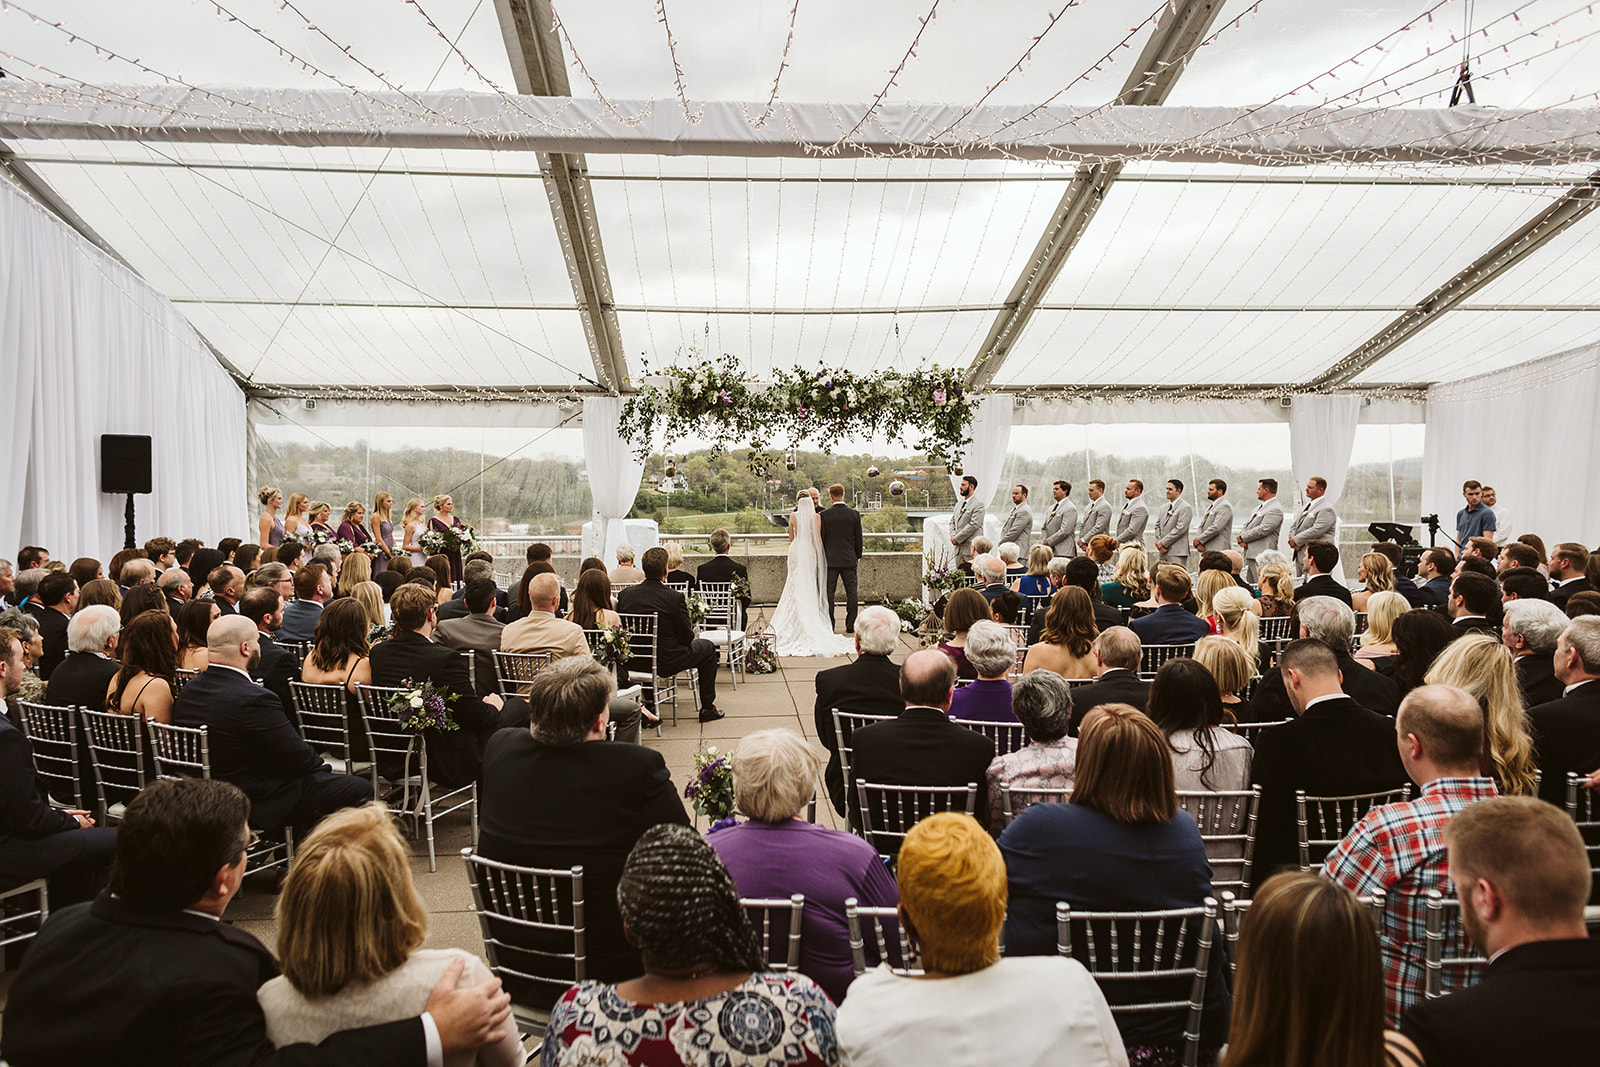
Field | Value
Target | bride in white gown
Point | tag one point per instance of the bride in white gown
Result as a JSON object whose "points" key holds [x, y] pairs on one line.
{"points": [[801, 626]]}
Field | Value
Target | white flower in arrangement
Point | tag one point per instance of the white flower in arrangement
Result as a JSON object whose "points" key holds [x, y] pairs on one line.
{"points": [[416, 700], [906, 627], [694, 387], [711, 750]]}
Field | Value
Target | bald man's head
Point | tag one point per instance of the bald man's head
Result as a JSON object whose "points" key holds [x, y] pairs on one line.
{"points": [[233, 641], [927, 677], [544, 592], [1448, 724]]}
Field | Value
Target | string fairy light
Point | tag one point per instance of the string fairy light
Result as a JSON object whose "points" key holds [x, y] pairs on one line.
{"points": [[923, 23], [692, 116]]}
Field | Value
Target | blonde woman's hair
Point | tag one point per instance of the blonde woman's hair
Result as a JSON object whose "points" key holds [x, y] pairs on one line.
{"points": [[1133, 572], [1382, 609], [382, 504], [297, 503], [350, 510], [370, 596], [349, 912], [1232, 607], [953, 892], [438, 501], [1039, 557], [1206, 587], [266, 493], [774, 774], [1483, 667], [674, 554], [357, 569], [414, 510], [1226, 661], [1281, 577], [1380, 572], [317, 507]]}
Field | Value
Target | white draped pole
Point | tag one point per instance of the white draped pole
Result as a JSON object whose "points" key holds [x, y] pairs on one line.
{"points": [[1322, 433], [614, 473], [985, 458]]}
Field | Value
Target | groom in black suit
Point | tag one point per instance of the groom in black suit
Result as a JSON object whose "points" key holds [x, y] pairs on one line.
{"points": [[841, 545]]}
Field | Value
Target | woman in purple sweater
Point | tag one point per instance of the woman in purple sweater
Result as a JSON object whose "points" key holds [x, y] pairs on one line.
{"points": [[777, 853]]}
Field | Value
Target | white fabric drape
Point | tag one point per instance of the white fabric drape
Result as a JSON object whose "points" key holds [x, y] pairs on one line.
{"points": [[89, 348], [614, 473], [1322, 431], [985, 458], [1530, 432]]}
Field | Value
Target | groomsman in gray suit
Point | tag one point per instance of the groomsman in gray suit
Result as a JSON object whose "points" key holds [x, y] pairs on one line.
{"points": [[966, 522], [1216, 525], [1261, 528], [1315, 521], [1061, 522], [1018, 527], [1096, 517], [1134, 516], [1172, 528]]}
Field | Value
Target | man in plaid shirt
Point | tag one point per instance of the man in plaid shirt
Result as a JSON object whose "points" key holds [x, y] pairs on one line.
{"points": [[1399, 848]]}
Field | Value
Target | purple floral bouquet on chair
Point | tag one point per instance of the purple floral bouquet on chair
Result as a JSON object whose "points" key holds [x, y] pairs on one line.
{"points": [[711, 789], [423, 707]]}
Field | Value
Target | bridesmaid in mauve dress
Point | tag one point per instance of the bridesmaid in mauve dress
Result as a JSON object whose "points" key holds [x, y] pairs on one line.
{"points": [[319, 514], [383, 530], [443, 519], [351, 526], [270, 526]]}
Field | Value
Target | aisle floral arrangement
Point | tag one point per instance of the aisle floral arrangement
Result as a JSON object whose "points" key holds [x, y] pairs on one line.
{"points": [[759, 657], [710, 791], [611, 648], [423, 707]]}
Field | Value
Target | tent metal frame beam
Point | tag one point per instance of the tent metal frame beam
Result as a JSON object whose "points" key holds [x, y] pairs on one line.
{"points": [[1150, 81], [539, 68], [1578, 202]]}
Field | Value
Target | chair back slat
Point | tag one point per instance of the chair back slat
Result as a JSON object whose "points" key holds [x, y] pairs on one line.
{"points": [[1151, 657], [1014, 798], [52, 733], [888, 812], [1007, 736], [324, 719], [1322, 822], [1227, 822], [180, 751], [182, 677], [515, 670], [1585, 811], [1277, 628], [777, 920], [116, 748], [1450, 962], [1234, 907], [1252, 730], [532, 923], [845, 724], [889, 943]]}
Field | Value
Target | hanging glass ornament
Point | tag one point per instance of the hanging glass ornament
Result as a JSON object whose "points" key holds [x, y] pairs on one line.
{"points": [[872, 472], [897, 488], [788, 461]]}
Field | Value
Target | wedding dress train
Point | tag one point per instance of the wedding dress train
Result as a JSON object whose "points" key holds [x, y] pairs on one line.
{"points": [[801, 626]]}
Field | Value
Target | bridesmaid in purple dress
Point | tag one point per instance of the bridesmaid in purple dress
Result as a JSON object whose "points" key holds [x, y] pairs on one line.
{"points": [[352, 527], [319, 514], [270, 526], [383, 529], [444, 518]]}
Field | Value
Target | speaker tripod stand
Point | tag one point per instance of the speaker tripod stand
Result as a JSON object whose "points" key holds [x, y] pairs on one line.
{"points": [[127, 525]]}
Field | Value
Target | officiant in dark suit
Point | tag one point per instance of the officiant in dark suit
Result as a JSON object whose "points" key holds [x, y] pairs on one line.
{"points": [[841, 545]]}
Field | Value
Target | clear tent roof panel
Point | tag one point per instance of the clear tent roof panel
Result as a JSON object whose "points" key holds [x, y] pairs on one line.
{"points": [[1464, 343]]}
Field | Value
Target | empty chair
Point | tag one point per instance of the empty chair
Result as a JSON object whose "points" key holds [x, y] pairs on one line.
{"points": [[888, 811], [324, 712], [402, 756], [1227, 822], [116, 747], [58, 758]]}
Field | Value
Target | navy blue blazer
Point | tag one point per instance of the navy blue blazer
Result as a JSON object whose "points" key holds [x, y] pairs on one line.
{"points": [[1170, 625]]}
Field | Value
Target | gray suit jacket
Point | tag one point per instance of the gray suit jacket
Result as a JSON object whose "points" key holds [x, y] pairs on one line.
{"points": [[1216, 526], [1096, 520], [1060, 530], [1261, 529], [1315, 521], [474, 633], [1172, 528], [1131, 522], [1018, 529], [966, 522]]}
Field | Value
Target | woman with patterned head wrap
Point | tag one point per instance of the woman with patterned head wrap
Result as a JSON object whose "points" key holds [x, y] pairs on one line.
{"points": [[706, 996]]}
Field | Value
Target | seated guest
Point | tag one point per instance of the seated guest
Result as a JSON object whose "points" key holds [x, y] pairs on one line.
{"points": [[1207, 584], [477, 568], [1100, 551], [1131, 585], [1066, 644], [868, 686], [91, 660], [1170, 624], [677, 648], [1083, 574], [144, 681], [438, 565], [1398, 580], [1332, 623], [1042, 702], [38, 840], [519, 601], [357, 569], [1566, 731], [991, 572], [276, 667], [993, 654], [1119, 843], [721, 567], [778, 853], [1399, 848], [30, 686], [1523, 583], [1225, 661], [1287, 1012], [53, 605], [253, 744], [1474, 565], [370, 596], [455, 757], [100, 591], [538, 552], [1186, 704], [194, 623], [340, 654], [1010, 554], [1522, 876], [625, 573], [1377, 640], [1333, 747], [313, 587], [922, 746], [478, 632], [1117, 655], [176, 586], [86, 569], [1322, 558], [1036, 582], [541, 631], [1419, 636], [1376, 575], [530, 778], [1531, 629], [350, 933], [1482, 667], [1231, 608], [972, 1005], [965, 607], [1569, 562], [676, 575], [1434, 569], [147, 974], [705, 987], [227, 586], [1515, 554], [1474, 605], [1277, 590], [1007, 608], [1580, 604]]}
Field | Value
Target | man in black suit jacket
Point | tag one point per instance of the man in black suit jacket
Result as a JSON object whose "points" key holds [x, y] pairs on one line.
{"points": [[841, 544], [1566, 732], [1334, 747], [1085, 574], [36, 839], [477, 568], [1531, 629], [1434, 569], [869, 686], [251, 741], [227, 586], [82, 678], [455, 757], [1329, 621], [677, 648], [722, 567], [1171, 623], [1321, 558], [1522, 875], [922, 746], [150, 975], [559, 794], [1117, 652], [1474, 605], [1569, 561], [276, 668], [53, 604]]}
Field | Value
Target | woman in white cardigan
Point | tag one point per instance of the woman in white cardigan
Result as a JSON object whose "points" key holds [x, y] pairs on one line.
{"points": [[349, 926]]}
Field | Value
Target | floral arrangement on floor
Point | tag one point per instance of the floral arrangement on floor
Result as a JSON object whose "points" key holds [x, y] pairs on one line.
{"points": [[611, 648], [759, 658], [942, 578], [930, 408], [460, 539], [423, 707], [913, 613], [710, 791]]}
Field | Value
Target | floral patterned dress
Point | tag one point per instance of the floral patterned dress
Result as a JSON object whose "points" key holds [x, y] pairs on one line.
{"points": [[768, 1020]]}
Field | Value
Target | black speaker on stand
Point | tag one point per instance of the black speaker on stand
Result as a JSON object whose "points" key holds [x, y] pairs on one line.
{"points": [[125, 468]]}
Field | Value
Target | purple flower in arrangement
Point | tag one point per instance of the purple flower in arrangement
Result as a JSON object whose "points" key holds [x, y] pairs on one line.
{"points": [[724, 396], [722, 824]]}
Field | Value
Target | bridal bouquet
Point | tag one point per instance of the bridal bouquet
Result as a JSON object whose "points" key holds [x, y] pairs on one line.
{"points": [[711, 789], [423, 707], [456, 539]]}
